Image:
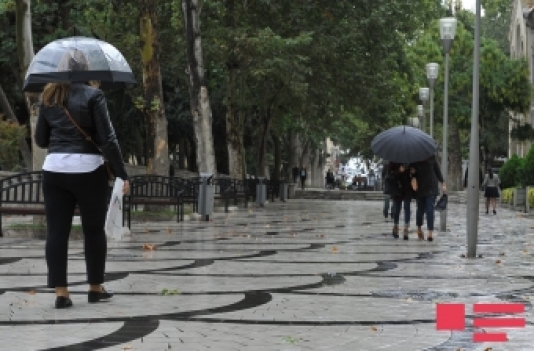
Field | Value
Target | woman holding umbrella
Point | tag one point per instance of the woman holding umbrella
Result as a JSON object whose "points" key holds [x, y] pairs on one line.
{"points": [[74, 125]]}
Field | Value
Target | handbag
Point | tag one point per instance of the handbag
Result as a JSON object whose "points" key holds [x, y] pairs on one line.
{"points": [[111, 176], [441, 205]]}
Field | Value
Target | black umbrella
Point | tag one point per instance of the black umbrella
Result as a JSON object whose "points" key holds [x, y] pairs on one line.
{"points": [[403, 144], [78, 59]]}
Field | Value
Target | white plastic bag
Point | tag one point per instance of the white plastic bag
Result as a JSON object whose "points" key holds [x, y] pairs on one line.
{"points": [[113, 226]]}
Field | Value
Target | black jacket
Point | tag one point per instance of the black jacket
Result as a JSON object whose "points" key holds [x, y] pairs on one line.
{"points": [[87, 106], [428, 175]]}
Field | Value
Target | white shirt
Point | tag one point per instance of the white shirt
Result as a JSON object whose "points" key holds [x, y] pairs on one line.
{"points": [[72, 163]]}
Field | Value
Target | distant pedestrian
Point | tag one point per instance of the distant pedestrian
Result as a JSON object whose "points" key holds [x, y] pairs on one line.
{"points": [[428, 176], [295, 173], [403, 183], [387, 191], [303, 176], [491, 190], [329, 179]]}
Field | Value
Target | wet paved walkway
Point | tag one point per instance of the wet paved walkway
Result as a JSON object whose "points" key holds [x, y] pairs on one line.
{"points": [[301, 275]]}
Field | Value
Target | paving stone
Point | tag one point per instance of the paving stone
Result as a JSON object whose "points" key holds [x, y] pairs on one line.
{"points": [[299, 275]]}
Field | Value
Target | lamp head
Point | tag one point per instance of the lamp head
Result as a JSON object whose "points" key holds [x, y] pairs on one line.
{"points": [[424, 94], [447, 28], [432, 70], [420, 110]]}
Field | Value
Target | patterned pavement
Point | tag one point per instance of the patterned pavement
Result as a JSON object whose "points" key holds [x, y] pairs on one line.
{"points": [[300, 275]]}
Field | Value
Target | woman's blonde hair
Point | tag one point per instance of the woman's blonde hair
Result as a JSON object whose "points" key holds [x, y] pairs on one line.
{"points": [[57, 93]]}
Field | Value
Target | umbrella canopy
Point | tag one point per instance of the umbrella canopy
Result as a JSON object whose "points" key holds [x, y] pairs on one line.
{"points": [[404, 144], [78, 59]]}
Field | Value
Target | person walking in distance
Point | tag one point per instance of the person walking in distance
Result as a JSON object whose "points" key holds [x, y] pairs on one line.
{"points": [[303, 175], [491, 190], [295, 173], [428, 176], [74, 174], [402, 184], [387, 191]]}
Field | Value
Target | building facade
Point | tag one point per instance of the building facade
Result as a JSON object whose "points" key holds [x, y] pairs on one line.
{"points": [[520, 38]]}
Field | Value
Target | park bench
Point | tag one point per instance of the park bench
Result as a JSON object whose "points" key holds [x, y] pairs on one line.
{"points": [[154, 190], [21, 194], [224, 189]]}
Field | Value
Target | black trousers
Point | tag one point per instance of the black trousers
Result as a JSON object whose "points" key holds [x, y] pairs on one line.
{"points": [[62, 191]]}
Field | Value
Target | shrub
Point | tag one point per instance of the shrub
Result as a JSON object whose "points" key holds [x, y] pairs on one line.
{"points": [[530, 197], [10, 136], [529, 167], [508, 195], [511, 172]]}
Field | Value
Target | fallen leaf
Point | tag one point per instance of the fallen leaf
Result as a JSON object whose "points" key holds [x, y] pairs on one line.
{"points": [[149, 247], [501, 254], [498, 261], [127, 347], [488, 349], [334, 249], [374, 329], [169, 231], [32, 292]]}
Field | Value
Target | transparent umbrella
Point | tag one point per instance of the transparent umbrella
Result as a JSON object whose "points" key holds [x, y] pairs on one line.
{"points": [[78, 59], [403, 144]]}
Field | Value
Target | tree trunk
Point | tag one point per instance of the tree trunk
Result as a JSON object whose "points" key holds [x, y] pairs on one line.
{"points": [[200, 105], [23, 146], [455, 182], [234, 130], [234, 117], [262, 146], [316, 169], [182, 155], [292, 152], [157, 138], [25, 54], [277, 157]]}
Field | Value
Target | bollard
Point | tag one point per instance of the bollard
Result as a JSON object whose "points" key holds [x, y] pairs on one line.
{"points": [[261, 192], [205, 197]]}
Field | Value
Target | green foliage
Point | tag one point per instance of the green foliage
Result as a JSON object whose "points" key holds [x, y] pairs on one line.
{"points": [[522, 132], [529, 167], [10, 136], [168, 292], [530, 197], [509, 172], [508, 195]]}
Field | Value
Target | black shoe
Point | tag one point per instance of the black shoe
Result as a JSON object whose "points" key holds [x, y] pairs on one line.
{"points": [[63, 302], [494, 212], [405, 237], [487, 212], [96, 296], [430, 238]]}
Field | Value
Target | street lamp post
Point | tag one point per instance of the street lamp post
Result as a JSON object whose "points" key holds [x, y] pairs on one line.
{"points": [[447, 30], [432, 70], [420, 114], [472, 177], [423, 96]]}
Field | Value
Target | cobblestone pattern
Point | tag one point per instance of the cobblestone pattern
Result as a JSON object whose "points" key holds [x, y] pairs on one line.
{"points": [[301, 275]]}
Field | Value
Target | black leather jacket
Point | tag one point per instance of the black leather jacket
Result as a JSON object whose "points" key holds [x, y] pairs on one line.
{"points": [[88, 108]]}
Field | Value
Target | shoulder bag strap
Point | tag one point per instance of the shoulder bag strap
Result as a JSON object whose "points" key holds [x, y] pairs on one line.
{"points": [[89, 139], [87, 136]]}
